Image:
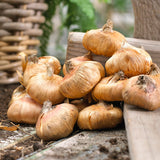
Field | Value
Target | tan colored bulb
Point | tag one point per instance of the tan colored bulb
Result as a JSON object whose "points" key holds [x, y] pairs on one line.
{"points": [[33, 65], [82, 79], [104, 41], [22, 108], [99, 116], [45, 86], [52, 62], [142, 91], [131, 60], [56, 122], [110, 88], [74, 62]]}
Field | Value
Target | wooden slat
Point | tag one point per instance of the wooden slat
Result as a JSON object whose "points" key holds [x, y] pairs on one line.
{"points": [[143, 132]]}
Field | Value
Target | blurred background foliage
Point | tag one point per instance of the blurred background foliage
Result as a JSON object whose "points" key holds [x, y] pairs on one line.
{"points": [[64, 16]]}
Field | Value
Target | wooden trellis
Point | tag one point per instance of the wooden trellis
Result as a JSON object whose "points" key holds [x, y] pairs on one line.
{"points": [[19, 31]]}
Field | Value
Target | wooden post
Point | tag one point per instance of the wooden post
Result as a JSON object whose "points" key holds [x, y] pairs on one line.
{"points": [[147, 19]]}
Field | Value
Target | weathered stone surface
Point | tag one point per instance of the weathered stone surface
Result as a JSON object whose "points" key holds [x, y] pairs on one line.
{"points": [[109, 144], [15, 137]]}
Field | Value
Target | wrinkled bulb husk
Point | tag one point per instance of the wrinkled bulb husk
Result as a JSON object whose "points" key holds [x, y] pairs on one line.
{"points": [[18, 93], [104, 41], [81, 80], [58, 122], [45, 86], [22, 108], [80, 104], [132, 61], [33, 65], [72, 63], [154, 70], [99, 116], [52, 61], [110, 88], [32, 70], [142, 91]]}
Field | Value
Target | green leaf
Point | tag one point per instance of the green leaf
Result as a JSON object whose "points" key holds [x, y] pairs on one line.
{"points": [[80, 16], [77, 20], [86, 6], [106, 1]]}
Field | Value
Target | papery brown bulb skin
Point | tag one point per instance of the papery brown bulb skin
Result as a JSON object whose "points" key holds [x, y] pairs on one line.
{"points": [[154, 70], [72, 63], [80, 104], [132, 61], [36, 65], [51, 61], [18, 93], [57, 123], [82, 79], [42, 87], [103, 41], [110, 88], [31, 70], [99, 116], [142, 91], [23, 109]]}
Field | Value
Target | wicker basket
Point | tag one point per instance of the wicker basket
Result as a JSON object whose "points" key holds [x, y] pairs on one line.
{"points": [[19, 32]]}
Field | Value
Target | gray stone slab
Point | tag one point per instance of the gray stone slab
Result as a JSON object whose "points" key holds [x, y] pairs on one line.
{"points": [[15, 137], [98, 145]]}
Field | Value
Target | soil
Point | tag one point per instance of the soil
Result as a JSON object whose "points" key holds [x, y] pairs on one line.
{"points": [[34, 143], [17, 150]]}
